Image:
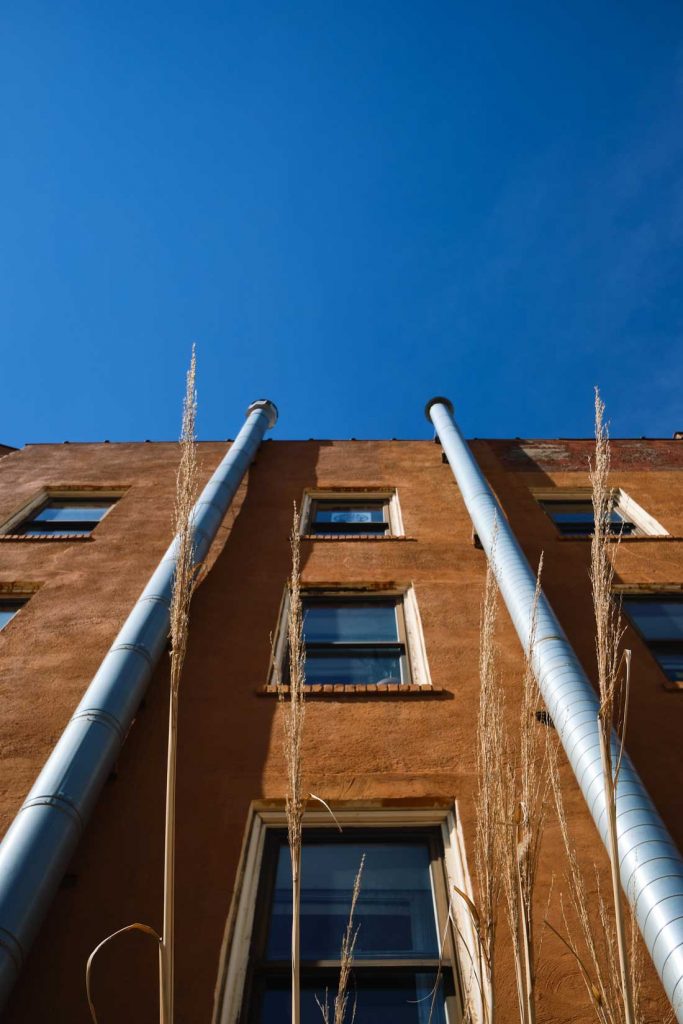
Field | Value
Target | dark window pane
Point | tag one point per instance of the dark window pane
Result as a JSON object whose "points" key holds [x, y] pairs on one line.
{"points": [[405, 999], [567, 514], [349, 514], [72, 512], [8, 609], [350, 622], [63, 517], [395, 910], [671, 663], [656, 619], [361, 667], [576, 517], [58, 529]]}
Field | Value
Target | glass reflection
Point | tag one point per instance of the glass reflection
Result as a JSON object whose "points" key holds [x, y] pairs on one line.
{"points": [[395, 910], [350, 622], [657, 619], [406, 999], [353, 669]]}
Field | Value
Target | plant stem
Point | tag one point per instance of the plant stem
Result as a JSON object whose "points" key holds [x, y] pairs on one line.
{"points": [[167, 947], [296, 933], [610, 803], [523, 967]]}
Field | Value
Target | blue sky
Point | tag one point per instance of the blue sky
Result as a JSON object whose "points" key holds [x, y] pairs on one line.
{"points": [[349, 207]]}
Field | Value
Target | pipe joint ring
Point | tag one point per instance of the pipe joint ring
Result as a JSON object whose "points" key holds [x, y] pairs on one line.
{"points": [[60, 803], [102, 718], [135, 649]]}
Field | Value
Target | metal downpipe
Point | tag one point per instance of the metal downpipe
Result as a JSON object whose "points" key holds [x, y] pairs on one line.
{"points": [[651, 865], [42, 838]]}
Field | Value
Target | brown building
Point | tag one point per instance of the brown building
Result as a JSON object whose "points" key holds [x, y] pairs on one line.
{"points": [[393, 580]]}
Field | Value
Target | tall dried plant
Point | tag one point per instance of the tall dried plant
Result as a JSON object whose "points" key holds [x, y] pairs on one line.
{"points": [[610, 964], [491, 754], [525, 812], [491, 761], [594, 948], [184, 583], [293, 717], [348, 948], [612, 682]]}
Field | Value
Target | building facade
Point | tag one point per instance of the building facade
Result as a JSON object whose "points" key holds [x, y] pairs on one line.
{"points": [[393, 579]]}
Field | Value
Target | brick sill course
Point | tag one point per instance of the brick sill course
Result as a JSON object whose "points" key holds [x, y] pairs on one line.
{"points": [[36, 538], [355, 537], [626, 539], [380, 690]]}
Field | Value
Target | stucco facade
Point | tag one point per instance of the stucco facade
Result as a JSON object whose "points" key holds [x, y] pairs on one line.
{"points": [[362, 749]]}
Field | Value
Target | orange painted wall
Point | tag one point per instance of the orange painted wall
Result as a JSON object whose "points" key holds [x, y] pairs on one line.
{"points": [[357, 749]]}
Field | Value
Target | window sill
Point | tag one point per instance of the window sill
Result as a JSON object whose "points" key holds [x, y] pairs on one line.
{"points": [[375, 690], [35, 538], [627, 539], [354, 537]]}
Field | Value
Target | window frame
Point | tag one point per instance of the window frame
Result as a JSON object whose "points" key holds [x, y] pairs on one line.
{"points": [[644, 524], [416, 666], [263, 817], [329, 648], [260, 969], [650, 596], [35, 506], [361, 531], [387, 496]]}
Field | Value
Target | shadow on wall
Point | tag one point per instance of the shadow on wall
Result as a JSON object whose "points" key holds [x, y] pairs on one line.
{"points": [[224, 739]]}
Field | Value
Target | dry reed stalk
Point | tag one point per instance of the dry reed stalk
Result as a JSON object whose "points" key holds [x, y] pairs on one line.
{"points": [[596, 963], [293, 716], [491, 756], [184, 581], [525, 812], [612, 976], [613, 697], [490, 789], [137, 927], [348, 947]]}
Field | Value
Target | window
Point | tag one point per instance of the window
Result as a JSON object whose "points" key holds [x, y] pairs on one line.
{"points": [[572, 513], [352, 517], [575, 518], [354, 640], [401, 914], [351, 514], [356, 637], [65, 517], [659, 620], [8, 609]]}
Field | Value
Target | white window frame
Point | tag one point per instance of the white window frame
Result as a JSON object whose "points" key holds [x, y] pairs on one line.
{"points": [[416, 650], [645, 524], [234, 957], [386, 494], [47, 494]]}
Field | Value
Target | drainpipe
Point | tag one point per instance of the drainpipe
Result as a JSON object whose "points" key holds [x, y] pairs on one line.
{"points": [[42, 838], [650, 864]]}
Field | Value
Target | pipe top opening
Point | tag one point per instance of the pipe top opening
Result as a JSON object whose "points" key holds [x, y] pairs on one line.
{"points": [[268, 407], [438, 400]]}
